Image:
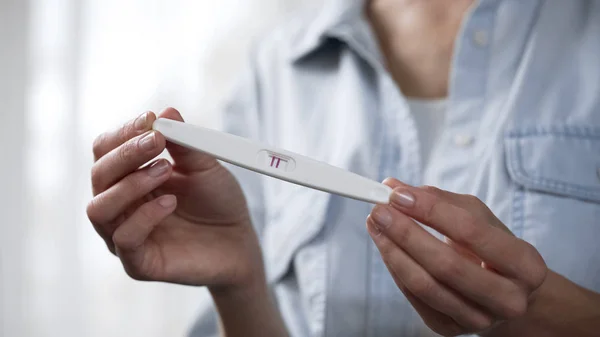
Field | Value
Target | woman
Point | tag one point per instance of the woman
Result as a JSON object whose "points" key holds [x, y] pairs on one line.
{"points": [[497, 100]]}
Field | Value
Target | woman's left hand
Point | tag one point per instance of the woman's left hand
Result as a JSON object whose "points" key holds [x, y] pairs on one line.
{"points": [[480, 276]]}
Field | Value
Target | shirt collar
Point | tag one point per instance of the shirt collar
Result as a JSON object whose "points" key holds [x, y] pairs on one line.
{"points": [[342, 20]]}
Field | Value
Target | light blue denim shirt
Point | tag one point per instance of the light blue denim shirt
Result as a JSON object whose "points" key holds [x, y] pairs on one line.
{"points": [[522, 133]]}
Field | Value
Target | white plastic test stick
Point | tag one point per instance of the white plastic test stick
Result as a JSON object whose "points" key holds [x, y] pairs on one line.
{"points": [[277, 163]]}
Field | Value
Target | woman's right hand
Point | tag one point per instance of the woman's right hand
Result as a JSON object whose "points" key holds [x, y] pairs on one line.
{"points": [[184, 223]]}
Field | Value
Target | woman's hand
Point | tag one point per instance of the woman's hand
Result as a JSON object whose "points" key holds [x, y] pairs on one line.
{"points": [[186, 223], [482, 275]]}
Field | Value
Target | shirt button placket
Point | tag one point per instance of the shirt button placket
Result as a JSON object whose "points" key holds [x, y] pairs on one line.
{"points": [[464, 140], [469, 85]]}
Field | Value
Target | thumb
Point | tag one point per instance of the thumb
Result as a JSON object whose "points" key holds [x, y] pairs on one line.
{"points": [[185, 159]]}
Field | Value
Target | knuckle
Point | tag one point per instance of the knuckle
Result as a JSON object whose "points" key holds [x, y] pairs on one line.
{"points": [[386, 248], [483, 324], [98, 145], [123, 241], [147, 211], [120, 240], [516, 308], [435, 197], [91, 211], [132, 183], [448, 268], [480, 209], [97, 178], [431, 210], [401, 233], [111, 247], [515, 304], [125, 132], [534, 268], [420, 285], [471, 231], [135, 272], [431, 190], [473, 200], [121, 235], [127, 151]]}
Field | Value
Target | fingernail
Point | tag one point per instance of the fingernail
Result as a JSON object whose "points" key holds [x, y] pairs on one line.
{"points": [[167, 201], [158, 169], [148, 142], [382, 217], [141, 122], [403, 198]]}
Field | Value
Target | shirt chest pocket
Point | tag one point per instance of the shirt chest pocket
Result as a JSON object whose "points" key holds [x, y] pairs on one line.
{"points": [[556, 202]]}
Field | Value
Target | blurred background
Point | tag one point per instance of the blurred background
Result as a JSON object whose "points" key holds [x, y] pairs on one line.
{"points": [[69, 70]]}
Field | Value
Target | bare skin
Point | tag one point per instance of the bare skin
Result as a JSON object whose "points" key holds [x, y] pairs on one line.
{"points": [[417, 40]]}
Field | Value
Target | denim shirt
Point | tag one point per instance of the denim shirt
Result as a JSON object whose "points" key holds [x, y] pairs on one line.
{"points": [[522, 133]]}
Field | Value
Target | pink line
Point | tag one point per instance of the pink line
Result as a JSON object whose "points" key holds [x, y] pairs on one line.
{"points": [[272, 161], [278, 162]]}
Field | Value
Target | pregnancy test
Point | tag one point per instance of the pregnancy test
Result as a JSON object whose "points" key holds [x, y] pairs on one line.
{"points": [[277, 163]]}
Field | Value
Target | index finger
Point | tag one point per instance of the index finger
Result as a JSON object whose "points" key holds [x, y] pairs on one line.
{"points": [[110, 140], [463, 201], [504, 252]]}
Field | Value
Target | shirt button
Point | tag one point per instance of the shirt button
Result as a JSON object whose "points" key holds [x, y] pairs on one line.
{"points": [[481, 38], [463, 140]]}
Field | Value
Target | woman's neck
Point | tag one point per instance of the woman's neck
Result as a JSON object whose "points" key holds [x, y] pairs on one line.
{"points": [[417, 40]]}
